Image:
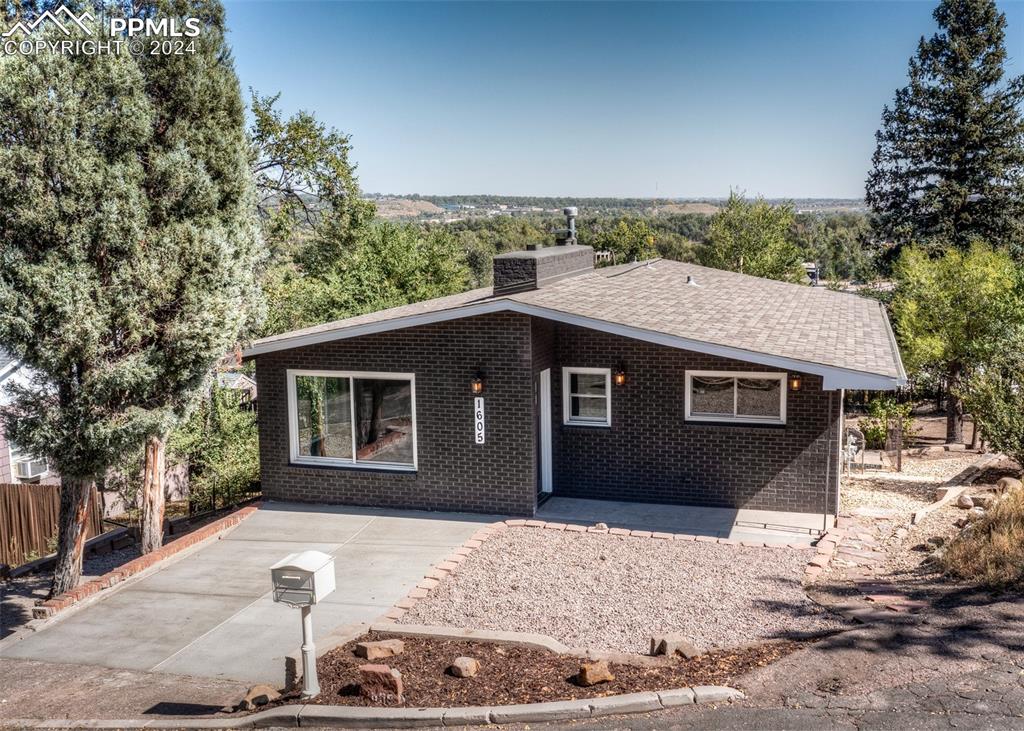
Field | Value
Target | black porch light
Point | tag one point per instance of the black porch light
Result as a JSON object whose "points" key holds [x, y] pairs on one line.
{"points": [[477, 384], [794, 381], [620, 375]]}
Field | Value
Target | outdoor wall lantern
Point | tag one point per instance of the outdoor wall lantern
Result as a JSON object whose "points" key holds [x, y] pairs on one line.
{"points": [[477, 384], [794, 381], [620, 375]]}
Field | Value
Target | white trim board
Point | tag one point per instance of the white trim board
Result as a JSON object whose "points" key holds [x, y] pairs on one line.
{"points": [[834, 377]]}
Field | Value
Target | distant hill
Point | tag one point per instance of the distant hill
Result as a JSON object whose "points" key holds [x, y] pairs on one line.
{"points": [[402, 208], [708, 209]]}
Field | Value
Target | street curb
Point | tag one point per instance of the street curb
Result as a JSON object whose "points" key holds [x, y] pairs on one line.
{"points": [[366, 717]]}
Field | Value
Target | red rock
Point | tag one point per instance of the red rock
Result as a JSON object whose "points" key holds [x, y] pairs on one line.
{"points": [[380, 648], [381, 684], [592, 673]]}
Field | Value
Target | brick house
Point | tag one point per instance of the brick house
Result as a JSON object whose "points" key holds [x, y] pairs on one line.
{"points": [[656, 382]]}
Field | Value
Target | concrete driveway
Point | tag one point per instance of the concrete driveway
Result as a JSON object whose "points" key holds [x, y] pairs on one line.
{"points": [[212, 614]]}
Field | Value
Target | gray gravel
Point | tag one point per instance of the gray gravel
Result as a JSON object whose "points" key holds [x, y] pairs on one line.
{"points": [[607, 592]]}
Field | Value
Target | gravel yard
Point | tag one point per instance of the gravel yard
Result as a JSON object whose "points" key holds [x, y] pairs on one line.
{"points": [[901, 493], [606, 592]]}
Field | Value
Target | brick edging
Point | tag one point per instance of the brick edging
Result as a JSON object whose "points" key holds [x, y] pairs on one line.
{"points": [[449, 565], [49, 607]]}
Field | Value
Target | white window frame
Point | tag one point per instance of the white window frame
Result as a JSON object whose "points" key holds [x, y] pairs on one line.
{"points": [[738, 418], [567, 417], [293, 421]]}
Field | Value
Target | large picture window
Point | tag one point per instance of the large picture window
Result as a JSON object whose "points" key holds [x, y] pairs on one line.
{"points": [[359, 419], [586, 396], [755, 398]]}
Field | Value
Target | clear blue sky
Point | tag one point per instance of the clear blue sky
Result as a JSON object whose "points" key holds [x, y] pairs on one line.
{"points": [[605, 99]]}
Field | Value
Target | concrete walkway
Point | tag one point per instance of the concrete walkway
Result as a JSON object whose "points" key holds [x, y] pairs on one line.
{"points": [[212, 614], [768, 526]]}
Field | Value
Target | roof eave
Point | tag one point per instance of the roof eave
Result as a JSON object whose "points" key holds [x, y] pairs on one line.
{"points": [[834, 377]]}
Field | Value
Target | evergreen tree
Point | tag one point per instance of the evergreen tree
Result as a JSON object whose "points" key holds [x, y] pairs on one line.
{"points": [[130, 244], [949, 162]]}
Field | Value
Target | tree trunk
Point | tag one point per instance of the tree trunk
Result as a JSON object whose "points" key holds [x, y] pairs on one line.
{"points": [[954, 409], [153, 496], [74, 508]]}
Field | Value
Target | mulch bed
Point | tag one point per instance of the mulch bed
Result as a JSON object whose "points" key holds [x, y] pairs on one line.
{"points": [[512, 674]]}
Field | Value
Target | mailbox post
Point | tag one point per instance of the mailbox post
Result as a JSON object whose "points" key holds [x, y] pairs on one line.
{"points": [[301, 580]]}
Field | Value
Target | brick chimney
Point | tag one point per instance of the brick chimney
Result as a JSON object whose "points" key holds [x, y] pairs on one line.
{"points": [[521, 271]]}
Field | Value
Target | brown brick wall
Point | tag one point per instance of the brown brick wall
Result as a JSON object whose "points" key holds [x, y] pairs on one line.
{"points": [[651, 454], [453, 473]]}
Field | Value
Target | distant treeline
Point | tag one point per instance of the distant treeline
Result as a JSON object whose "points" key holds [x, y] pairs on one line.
{"points": [[483, 200]]}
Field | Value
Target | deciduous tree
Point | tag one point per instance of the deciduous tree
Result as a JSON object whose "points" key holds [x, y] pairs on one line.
{"points": [[952, 312], [753, 237]]}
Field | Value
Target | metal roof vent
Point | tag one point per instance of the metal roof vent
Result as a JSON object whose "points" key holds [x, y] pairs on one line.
{"points": [[691, 281], [567, 236]]}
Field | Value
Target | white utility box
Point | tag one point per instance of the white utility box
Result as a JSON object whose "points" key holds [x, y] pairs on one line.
{"points": [[303, 579]]}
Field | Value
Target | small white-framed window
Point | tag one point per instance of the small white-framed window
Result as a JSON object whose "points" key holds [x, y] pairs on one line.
{"points": [[352, 418], [736, 397], [587, 396]]}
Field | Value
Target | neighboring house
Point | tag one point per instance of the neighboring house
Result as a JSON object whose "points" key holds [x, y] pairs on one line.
{"points": [[15, 464], [657, 382], [240, 382]]}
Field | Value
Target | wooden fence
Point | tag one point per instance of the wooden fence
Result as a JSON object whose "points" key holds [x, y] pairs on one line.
{"points": [[29, 519]]}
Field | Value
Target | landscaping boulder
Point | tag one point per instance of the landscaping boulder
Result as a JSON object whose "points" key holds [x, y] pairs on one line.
{"points": [[674, 644], [464, 667], [964, 502], [937, 541], [1008, 484], [379, 649], [381, 684], [592, 673], [974, 513], [258, 695]]}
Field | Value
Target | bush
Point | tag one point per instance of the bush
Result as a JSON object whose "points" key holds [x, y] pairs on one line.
{"points": [[883, 413], [991, 550], [219, 443], [995, 399]]}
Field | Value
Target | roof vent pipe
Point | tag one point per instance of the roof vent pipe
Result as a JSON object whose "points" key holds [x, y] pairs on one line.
{"points": [[691, 281], [567, 236]]}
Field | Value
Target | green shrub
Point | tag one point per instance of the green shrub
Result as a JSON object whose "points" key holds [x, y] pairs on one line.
{"points": [[883, 413]]}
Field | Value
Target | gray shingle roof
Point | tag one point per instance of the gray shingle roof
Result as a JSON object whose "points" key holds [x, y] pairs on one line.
{"points": [[809, 324]]}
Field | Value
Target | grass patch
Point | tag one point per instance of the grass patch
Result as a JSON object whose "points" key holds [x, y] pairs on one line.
{"points": [[991, 551]]}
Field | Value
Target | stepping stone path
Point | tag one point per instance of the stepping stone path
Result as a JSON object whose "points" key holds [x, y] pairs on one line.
{"points": [[852, 550]]}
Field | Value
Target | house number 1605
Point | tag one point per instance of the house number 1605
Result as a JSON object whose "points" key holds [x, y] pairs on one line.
{"points": [[478, 418]]}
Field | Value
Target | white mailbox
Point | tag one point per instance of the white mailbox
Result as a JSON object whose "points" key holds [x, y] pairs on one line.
{"points": [[303, 579]]}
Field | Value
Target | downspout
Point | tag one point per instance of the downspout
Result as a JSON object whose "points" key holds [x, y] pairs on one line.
{"points": [[828, 466]]}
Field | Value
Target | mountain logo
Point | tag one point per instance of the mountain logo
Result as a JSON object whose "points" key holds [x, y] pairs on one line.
{"points": [[61, 17]]}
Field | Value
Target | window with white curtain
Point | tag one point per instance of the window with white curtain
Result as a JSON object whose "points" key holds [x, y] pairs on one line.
{"points": [[755, 398]]}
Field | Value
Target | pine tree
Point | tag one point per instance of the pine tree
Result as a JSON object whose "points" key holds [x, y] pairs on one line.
{"points": [[130, 249], [948, 168]]}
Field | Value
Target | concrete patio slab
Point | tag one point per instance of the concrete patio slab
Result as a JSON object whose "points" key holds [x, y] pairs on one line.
{"points": [[211, 613], [767, 526]]}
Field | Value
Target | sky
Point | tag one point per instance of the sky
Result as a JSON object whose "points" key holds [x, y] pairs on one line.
{"points": [[684, 99]]}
